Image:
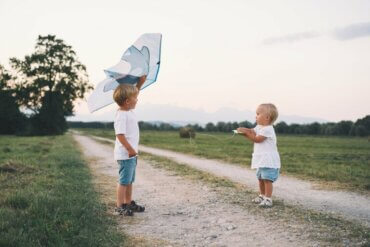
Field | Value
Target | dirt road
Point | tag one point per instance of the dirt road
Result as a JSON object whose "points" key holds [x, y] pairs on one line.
{"points": [[351, 206], [182, 212]]}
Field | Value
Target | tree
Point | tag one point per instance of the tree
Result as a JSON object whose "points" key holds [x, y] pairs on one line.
{"points": [[49, 81], [361, 127], [313, 128], [11, 119], [344, 127], [246, 124], [210, 127], [282, 127]]}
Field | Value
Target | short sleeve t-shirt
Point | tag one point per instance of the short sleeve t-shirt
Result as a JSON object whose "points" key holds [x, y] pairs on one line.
{"points": [[265, 154], [126, 123]]}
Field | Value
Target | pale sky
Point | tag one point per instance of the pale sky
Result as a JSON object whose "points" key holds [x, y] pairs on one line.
{"points": [[310, 58]]}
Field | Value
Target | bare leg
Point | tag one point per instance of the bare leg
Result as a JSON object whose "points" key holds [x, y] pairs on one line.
{"points": [[262, 186], [121, 192], [128, 194], [268, 188]]}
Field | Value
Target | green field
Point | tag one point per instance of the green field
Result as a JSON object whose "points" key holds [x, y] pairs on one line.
{"points": [[343, 162], [47, 197]]}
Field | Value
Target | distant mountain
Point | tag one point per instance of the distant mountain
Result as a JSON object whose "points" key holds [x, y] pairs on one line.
{"points": [[182, 116]]}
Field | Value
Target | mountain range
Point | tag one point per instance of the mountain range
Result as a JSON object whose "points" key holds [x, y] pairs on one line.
{"points": [[182, 116]]}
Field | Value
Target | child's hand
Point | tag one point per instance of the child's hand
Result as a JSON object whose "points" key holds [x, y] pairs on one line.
{"points": [[243, 130], [141, 82], [142, 79], [131, 153]]}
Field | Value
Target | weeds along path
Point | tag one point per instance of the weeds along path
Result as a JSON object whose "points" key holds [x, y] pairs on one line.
{"points": [[351, 206], [182, 212]]}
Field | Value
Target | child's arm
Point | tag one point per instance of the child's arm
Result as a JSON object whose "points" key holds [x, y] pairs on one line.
{"points": [[141, 82], [251, 135], [122, 139]]}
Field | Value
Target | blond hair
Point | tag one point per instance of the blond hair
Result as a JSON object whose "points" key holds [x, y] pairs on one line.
{"points": [[271, 111], [123, 92]]}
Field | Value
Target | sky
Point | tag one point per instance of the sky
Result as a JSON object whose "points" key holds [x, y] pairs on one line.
{"points": [[309, 58]]}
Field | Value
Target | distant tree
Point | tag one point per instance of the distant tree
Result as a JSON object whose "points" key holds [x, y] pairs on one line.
{"points": [[329, 129], [11, 119], [246, 124], [294, 129], [196, 127], [361, 127], [166, 126], [210, 127], [221, 126], [343, 127], [49, 81], [282, 128], [313, 128]]}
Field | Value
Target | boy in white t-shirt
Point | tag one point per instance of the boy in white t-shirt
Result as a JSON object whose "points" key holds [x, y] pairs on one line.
{"points": [[126, 146], [265, 154]]}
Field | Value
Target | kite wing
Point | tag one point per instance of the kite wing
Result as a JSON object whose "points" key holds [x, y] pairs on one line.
{"points": [[142, 58]]}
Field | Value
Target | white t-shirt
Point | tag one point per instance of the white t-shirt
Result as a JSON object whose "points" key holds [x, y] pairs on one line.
{"points": [[125, 123], [265, 154]]}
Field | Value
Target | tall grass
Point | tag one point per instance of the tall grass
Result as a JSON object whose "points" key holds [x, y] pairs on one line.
{"points": [[47, 197]]}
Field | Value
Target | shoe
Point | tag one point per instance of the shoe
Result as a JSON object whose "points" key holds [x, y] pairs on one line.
{"points": [[266, 203], [136, 208], [258, 199], [123, 210]]}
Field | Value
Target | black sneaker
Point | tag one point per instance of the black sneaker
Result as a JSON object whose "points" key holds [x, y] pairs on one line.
{"points": [[136, 208], [123, 210]]}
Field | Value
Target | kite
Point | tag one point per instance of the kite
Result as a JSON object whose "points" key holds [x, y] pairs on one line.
{"points": [[142, 58]]}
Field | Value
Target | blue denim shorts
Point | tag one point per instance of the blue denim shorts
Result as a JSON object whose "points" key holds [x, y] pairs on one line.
{"points": [[266, 173], [127, 170]]}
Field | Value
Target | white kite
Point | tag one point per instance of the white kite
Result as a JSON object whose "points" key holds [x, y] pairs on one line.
{"points": [[142, 58]]}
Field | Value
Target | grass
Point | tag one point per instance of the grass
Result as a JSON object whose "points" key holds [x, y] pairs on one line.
{"points": [[47, 197], [324, 229], [342, 162]]}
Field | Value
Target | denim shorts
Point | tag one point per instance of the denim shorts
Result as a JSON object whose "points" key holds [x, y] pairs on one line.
{"points": [[127, 170], [266, 173]]}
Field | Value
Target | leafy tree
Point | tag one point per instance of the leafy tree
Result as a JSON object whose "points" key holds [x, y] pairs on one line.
{"points": [[344, 127], [49, 82], [221, 126], [210, 127], [11, 119], [361, 127], [313, 128], [282, 127], [246, 124]]}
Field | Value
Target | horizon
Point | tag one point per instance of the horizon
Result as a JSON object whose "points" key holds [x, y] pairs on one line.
{"points": [[307, 62], [164, 113]]}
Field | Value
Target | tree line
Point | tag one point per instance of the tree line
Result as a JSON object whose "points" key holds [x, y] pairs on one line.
{"points": [[361, 127]]}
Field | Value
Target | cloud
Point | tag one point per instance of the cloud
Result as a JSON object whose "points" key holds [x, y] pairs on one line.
{"points": [[291, 38], [353, 31]]}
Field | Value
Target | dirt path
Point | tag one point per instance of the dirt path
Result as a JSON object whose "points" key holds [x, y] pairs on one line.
{"points": [[352, 206], [182, 212]]}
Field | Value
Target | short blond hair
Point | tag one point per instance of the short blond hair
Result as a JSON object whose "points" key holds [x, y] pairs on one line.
{"points": [[123, 92], [271, 111]]}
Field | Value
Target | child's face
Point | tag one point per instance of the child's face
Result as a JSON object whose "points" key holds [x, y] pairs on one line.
{"points": [[131, 102], [262, 118]]}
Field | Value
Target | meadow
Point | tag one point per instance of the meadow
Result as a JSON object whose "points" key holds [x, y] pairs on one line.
{"points": [[340, 162], [47, 197]]}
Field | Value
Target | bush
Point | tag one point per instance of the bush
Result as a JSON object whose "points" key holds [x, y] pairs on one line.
{"points": [[187, 132]]}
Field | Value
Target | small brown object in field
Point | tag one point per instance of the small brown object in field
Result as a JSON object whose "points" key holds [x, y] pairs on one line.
{"points": [[187, 132]]}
